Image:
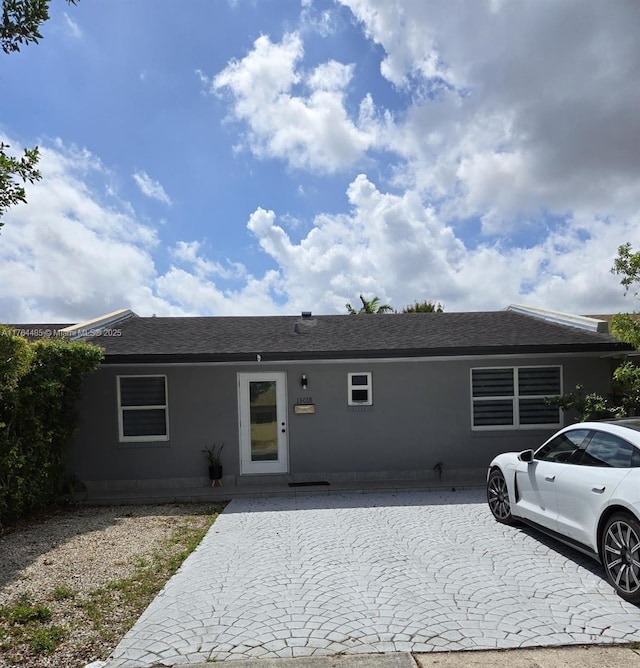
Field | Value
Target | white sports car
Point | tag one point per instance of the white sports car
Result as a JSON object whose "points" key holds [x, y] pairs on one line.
{"points": [[582, 487]]}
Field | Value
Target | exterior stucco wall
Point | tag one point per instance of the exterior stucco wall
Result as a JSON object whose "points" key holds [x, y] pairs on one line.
{"points": [[421, 415]]}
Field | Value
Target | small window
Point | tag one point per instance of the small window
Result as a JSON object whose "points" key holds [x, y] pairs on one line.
{"points": [[360, 389], [607, 450], [564, 448], [515, 397], [142, 408]]}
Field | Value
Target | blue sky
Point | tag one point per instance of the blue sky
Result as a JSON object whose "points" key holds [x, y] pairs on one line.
{"points": [[272, 156]]}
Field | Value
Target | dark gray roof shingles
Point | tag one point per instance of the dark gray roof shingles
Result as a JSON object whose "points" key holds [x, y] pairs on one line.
{"points": [[341, 336]]}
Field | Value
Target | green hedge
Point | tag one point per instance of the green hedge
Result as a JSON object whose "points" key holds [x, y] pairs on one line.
{"points": [[40, 384]]}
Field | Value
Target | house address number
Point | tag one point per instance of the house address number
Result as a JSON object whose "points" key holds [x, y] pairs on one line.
{"points": [[304, 406]]}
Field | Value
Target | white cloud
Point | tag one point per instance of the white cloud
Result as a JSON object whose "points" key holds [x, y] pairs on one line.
{"points": [[394, 247], [70, 254], [310, 131], [330, 76], [151, 188], [203, 78], [73, 28], [66, 254], [193, 295], [514, 150], [518, 108], [319, 21], [407, 31], [512, 113], [190, 254]]}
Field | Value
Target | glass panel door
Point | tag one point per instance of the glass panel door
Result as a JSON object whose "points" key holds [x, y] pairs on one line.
{"points": [[263, 412], [263, 428]]}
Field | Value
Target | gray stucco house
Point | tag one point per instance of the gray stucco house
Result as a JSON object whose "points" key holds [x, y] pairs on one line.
{"points": [[338, 397]]}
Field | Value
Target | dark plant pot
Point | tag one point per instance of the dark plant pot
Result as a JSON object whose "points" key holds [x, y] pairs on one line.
{"points": [[215, 472]]}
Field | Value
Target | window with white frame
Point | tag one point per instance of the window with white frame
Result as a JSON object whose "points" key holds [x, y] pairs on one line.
{"points": [[142, 408], [515, 397], [360, 389]]}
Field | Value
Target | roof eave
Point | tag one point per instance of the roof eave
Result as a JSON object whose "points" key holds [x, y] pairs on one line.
{"points": [[487, 351]]}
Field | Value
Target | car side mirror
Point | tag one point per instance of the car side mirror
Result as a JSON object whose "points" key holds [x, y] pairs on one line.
{"points": [[526, 456]]}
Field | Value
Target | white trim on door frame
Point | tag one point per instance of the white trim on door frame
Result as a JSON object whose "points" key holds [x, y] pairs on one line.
{"points": [[281, 464]]}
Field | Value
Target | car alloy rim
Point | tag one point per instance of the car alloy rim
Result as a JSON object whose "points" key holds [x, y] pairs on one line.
{"points": [[499, 497], [622, 556]]}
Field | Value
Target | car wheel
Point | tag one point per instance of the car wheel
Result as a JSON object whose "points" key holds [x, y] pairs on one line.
{"points": [[620, 547], [498, 497]]}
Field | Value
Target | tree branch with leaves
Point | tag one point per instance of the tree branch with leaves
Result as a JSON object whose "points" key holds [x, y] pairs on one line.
{"points": [[627, 265], [14, 173], [625, 326], [625, 399], [424, 306], [19, 26], [21, 21], [369, 306]]}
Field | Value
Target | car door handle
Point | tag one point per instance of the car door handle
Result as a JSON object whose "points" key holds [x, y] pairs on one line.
{"points": [[549, 478], [598, 490]]}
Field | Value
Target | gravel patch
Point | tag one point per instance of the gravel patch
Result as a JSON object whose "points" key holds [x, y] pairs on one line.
{"points": [[64, 560]]}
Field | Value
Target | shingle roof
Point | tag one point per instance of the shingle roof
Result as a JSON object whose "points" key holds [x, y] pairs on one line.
{"points": [[344, 337]]}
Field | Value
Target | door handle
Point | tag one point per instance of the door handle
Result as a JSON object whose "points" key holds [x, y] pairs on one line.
{"points": [[598, 490], [549, 478]]}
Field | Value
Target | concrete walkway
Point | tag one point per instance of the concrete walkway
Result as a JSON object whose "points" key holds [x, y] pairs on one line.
{"points": [[359, 574]]}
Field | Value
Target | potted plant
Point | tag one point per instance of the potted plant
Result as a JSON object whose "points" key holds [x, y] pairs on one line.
{"points": [[213, 459]]}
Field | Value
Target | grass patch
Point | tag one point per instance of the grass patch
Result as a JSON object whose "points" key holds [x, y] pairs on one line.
{"points": [[22, 611], [25, 623], [62, 593], [45, 640]]}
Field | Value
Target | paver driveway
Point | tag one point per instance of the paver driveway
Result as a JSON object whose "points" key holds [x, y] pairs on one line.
{"points": [[413, 571]]}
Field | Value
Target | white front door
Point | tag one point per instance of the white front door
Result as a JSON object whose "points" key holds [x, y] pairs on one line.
{"points": [[262, 401]]}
